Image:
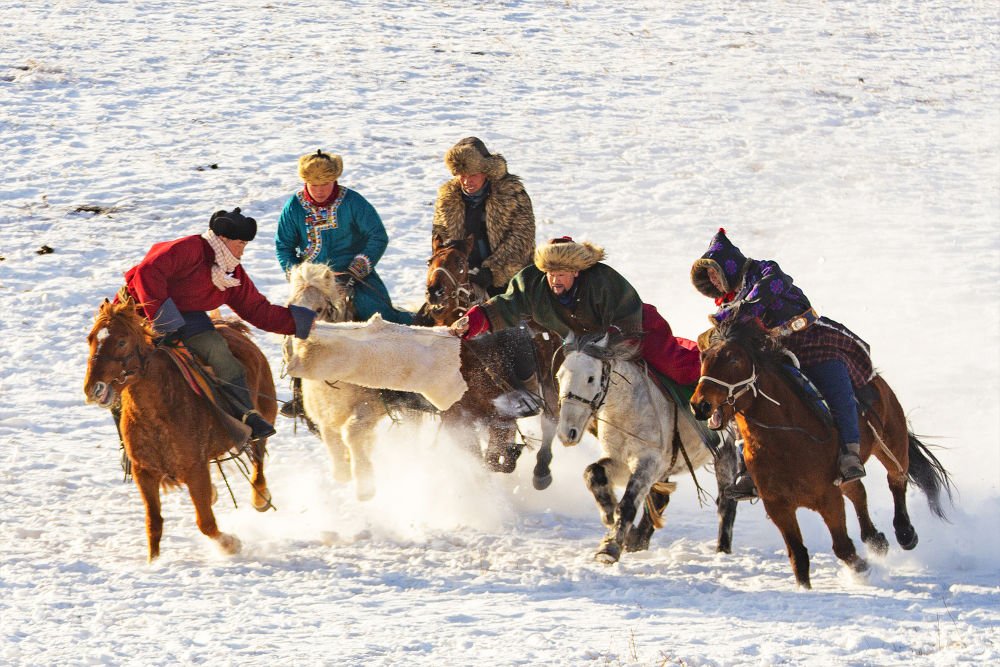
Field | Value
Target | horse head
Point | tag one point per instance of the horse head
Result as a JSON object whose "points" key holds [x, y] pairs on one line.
{"points": [[732, 355], [584, 379], [449, 290], [119, 341], [318, 287]]}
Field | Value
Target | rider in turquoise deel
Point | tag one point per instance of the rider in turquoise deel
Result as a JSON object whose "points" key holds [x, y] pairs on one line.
{"points": [[326, 223]]}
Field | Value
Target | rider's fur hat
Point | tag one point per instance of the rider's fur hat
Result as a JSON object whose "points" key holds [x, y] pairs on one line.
{"points": [[565, 254], [233, 225], [320, 168], [470, 156], [728, 262]]}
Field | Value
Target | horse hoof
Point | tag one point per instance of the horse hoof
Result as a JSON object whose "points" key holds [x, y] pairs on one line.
{"points": [[541, 482], [878, 544], [364, 492], [230, 544], [859, 565], [907, 538], [609, 553], [261, 500]]}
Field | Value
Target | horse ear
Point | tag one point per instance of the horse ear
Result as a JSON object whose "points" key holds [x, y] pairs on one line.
{"points": [[569, 340], [603, 342], [470, 243], [436, 242]]}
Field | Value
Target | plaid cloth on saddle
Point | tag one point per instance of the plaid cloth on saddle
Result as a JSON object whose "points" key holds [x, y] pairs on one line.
{"points": [[826, 339]]}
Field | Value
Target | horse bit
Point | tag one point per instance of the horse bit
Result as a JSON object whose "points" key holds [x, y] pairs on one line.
{"points": [[750, 384]]}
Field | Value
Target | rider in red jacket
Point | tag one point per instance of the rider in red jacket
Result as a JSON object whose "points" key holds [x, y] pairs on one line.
{"points": [[178, 281]]}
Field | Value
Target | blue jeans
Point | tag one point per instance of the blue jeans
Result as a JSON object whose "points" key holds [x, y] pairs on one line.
{"points": [[834, 382]]}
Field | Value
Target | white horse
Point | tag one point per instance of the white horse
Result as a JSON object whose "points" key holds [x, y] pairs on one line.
{"points": [[345, 413], [643, 436]]}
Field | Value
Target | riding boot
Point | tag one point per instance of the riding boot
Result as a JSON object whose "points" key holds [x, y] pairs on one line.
{"points": [[294, 407], [241, 407], [743, 487], [849, 462]]}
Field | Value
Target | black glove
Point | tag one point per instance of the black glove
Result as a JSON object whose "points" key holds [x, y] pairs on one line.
{"points": [[482, 276]]}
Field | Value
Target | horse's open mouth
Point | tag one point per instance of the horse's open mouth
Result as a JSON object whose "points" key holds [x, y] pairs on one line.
{"points": [[103, 395], [715, 420]]}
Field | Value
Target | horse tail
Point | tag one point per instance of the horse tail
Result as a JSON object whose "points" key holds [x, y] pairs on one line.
{"points": [[929, 475]]}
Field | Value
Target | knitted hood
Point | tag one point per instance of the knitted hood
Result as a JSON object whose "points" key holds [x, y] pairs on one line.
{"points": [[726, 259]]}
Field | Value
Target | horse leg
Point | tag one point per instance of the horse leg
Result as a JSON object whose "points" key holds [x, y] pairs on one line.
{"points": [[906, 534], [870, 535], [783, 517], [596, 478], [832, 510], [340, 456], [637, 538], [260, 495], [542, 475], [639, 483], [360, 438], [149, 486], [503, 450], [725, 473], [199, 483]]}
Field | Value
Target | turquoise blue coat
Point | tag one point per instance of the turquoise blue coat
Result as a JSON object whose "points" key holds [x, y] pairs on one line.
{"points": [[334, 235]]}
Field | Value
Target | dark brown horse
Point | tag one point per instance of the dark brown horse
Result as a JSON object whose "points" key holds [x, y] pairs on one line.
{"points": [[488, 363], [170, 433], [791, 450]]}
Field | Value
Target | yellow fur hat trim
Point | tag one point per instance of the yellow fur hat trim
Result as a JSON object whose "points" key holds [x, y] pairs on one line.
{"points": [[320, 168], [470, 156], [567, 255]]}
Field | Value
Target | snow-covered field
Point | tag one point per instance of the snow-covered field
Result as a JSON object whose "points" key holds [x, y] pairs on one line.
{"points": [[858, 143]]}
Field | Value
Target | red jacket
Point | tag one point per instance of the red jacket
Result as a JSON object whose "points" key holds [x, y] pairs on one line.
{"points": [[182, 270]]}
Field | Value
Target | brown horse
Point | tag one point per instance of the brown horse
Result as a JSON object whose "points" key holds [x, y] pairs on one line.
{"points": [[791, 450], [170, 433], [487, 363]]}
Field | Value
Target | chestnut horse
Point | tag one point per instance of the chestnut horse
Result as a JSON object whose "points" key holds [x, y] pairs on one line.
{"points": [[450, 294], [791, 450], [171, 435]]}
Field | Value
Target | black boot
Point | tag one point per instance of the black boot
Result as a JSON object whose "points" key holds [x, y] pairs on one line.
{"points": [[294, 407], [743, 487], [259, 428]]}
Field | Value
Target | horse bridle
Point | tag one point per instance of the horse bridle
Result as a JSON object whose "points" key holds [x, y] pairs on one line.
{"points": [[597, 401], [743, 386], [461, 293], [126, 373]]}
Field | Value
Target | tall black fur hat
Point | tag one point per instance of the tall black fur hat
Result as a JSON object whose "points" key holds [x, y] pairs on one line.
{"points": [[233, 225]]}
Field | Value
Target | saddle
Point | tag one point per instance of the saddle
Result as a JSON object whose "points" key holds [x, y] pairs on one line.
{"points": [[865, 396], [204, 384], [681, 395]]}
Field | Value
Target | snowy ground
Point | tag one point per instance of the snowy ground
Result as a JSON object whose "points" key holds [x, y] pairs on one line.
{"points": [[856, 142]]}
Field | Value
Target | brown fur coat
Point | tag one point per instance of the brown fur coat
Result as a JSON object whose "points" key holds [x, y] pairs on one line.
{"points": [[510, 222]]}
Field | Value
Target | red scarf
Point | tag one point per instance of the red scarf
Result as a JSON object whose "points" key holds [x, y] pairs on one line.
{"points": [[322, 204], [725, 298]]}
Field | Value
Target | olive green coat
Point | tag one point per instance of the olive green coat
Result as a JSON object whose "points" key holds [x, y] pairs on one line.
{"points": [[603, 298]]}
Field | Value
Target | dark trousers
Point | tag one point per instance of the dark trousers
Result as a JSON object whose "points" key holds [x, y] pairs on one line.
{"points": [[834, 382]]}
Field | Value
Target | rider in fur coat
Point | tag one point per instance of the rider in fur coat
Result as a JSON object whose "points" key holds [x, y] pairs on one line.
{"points": [[569, 289], [835, 359], [485, 201]]}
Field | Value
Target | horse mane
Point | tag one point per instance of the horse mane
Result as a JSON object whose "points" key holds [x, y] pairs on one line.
{"points": [[128, 314], [618, 348], [763, 348]]}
